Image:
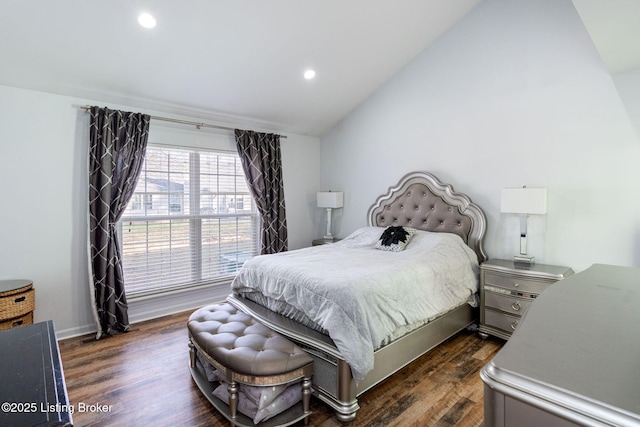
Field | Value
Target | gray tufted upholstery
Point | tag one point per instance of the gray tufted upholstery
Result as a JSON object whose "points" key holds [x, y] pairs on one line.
{"points": [[419, 208], [422, 201], [240, 343]]}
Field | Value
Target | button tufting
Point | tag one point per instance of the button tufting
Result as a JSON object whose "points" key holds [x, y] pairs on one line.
{"points": [[242, 340]]}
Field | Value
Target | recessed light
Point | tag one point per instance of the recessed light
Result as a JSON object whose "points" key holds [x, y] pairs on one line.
{"points": [[309, 74], [146, 20]]}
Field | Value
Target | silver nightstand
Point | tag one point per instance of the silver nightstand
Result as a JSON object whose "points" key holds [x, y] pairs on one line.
{"points": [[508, 289], [318, 242]]}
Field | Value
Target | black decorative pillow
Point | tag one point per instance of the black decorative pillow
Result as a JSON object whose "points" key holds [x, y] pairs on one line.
{"points": [[395, 239]]}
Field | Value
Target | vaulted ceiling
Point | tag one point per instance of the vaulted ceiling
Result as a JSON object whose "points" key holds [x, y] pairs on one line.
{"points": [[614, 27], [238, 61]]}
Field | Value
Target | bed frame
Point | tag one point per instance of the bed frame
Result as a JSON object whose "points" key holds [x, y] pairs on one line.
{"points": [[420, 201]]}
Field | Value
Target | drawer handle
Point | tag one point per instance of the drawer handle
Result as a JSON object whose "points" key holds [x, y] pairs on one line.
{"points": [[514, 325], [18, 323], [20, 299], [515, 306]]}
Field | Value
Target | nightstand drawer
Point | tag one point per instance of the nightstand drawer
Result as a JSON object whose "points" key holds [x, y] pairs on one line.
{"points": [[509, 304], [507, 290], [500, 320], [515, 283]]}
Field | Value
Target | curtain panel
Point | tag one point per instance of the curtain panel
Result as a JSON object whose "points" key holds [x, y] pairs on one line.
{"points": [[118, 141], [262, 164]]}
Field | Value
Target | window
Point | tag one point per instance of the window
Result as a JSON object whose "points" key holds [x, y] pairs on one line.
{"points": [[191, 220]]}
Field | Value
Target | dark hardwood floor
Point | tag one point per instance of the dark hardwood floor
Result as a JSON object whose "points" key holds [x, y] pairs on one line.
{"points": [[141, 378]]}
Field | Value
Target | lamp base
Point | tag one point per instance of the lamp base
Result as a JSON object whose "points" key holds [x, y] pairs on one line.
{"points": [[524, 260]]}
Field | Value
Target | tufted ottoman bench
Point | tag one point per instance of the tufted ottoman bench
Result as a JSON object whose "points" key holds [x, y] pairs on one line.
{"points": [[245, 353]]}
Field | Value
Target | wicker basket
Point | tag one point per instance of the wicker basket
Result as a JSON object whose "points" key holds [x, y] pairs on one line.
{"points": [[27, 319], [12, 287], [17, 304]]}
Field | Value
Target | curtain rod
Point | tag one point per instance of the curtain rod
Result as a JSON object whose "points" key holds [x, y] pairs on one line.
{"points": [[184, 122]]}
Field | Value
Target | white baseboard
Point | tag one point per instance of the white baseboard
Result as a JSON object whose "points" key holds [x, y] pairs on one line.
{"points": [[155, 306], [63, 334]]}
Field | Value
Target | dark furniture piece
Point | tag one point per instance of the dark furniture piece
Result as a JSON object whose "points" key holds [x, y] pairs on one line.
{"points": [[508, 289], [17, 302], [32, 389], [573, 361]]}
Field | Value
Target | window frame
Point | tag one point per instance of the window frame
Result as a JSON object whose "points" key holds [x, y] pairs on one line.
{"points": [[195, 218]]}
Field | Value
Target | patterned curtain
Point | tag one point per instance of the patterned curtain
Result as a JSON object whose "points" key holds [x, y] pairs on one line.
{"points": [[262, 164], [118, 141]]}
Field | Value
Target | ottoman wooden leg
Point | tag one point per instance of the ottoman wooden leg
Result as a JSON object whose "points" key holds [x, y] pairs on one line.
{"points": [[306, 397], [192, 354], [232, 388]]}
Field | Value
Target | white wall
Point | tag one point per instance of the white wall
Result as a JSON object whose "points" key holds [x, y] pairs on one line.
{"points": [[514, 94], [43, 197], [628, 85]]}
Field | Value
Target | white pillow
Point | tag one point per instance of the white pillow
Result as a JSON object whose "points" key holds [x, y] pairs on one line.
{"points": [[289, 396]]}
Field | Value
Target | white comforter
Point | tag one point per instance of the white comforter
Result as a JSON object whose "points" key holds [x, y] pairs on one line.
{"points": [[364, 297]]}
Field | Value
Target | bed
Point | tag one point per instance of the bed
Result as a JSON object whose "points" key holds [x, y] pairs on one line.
{"points": [[444, 221]]}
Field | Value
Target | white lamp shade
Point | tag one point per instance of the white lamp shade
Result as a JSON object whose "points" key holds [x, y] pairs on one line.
{"points": [[524, 200], [330, 199]]}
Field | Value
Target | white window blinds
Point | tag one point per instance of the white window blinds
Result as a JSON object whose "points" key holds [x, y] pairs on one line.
{"points": [[190, 221]]}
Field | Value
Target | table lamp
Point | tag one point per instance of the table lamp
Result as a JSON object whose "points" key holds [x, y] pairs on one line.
{"points": [[329, 200], [524, 201]]}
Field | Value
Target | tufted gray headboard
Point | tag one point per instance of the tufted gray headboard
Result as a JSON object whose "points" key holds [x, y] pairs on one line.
{"points": [[421, 201]]}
